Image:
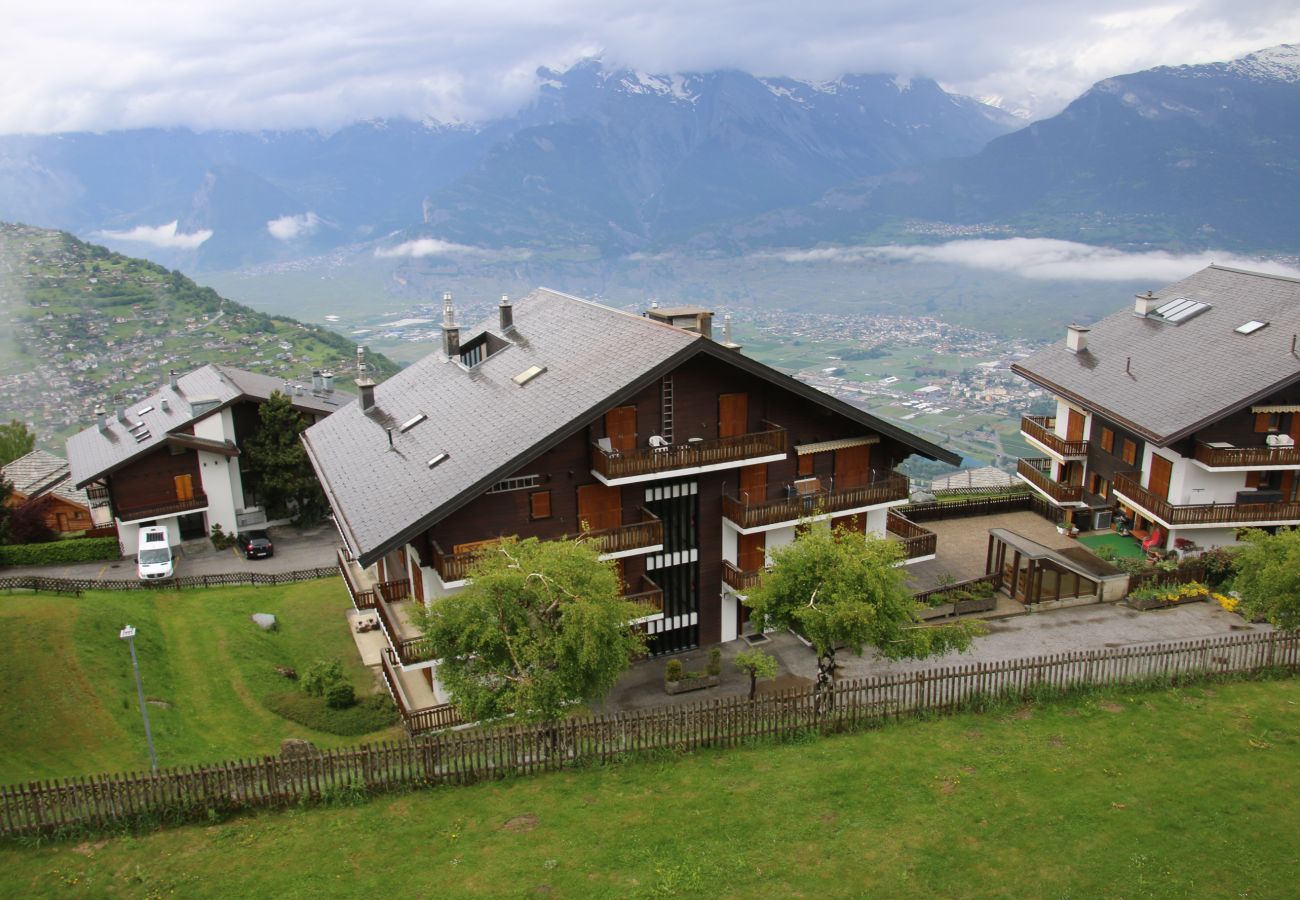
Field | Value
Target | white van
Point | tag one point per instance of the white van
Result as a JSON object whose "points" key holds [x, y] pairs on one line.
{"points": [[155, 557]]}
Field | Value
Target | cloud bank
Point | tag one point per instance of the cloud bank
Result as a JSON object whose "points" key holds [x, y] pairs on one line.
{"points": [[1040, 258], [288, 228], [77, 65], [164, 236], [423, 247]]}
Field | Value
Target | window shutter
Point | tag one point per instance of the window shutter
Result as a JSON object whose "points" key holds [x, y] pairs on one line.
{"points": [[540, 504]]}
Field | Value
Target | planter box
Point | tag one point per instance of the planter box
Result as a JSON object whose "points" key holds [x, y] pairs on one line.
{"points": [[687, 685], [936, 612], [1157, 603], [979, 604]]}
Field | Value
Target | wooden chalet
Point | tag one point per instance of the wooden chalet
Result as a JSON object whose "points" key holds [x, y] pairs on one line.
{"points": [[687, 461]]}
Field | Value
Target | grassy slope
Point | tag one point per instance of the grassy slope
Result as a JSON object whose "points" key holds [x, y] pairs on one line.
{"points": [[199, 653], [1165, 794]]}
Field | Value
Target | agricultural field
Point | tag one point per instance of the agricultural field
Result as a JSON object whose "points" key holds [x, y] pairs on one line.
{"points": [[1131, 793], [209, 675]]}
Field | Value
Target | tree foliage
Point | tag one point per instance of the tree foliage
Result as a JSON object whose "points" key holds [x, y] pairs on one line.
{"points": [[756, 664], [843, 589], [15, 441], [1268, 577], [281, 474], [6, 512], [540, 626], [27, 523]]}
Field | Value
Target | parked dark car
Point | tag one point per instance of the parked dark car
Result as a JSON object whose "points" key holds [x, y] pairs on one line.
{"points": [[255, 544]]}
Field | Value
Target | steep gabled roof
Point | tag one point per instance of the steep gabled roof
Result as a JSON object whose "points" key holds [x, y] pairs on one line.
{"points": [[481, 425], [39, 473], [1167, 380], [161, 417]]}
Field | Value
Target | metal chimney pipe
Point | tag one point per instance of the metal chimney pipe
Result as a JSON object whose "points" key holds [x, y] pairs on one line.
{"points": [[507, 313]]}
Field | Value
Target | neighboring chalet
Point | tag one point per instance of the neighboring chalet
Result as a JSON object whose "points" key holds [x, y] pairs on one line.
{"points": [[173, 459], [1182, 413], [686, 460], [42, 474]]}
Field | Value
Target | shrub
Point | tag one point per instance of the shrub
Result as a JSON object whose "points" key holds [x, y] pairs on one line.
{"points": [[58, 552], [1220, 564], [340, 695], [673, 671], [369, 715], [714, 666], [221, 540], [321, 676]]}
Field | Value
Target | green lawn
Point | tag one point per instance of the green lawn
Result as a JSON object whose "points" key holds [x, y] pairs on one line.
{"points": [[1173, 793], [70, 705], [1121, 545]]}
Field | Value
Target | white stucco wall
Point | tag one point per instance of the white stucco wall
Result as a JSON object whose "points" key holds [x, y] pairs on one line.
{"points": [[129, 535], [1192, 484]]}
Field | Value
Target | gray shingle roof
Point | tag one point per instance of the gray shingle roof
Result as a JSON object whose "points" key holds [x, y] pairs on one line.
{"points": [[487, 425], [1165, 381], [40, 473], [93, 453]]}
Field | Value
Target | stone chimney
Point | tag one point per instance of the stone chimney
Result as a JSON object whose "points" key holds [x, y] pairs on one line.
{"points": [[1076, 338], [165, 405], [315, 380], [1146, 304], [726, 333], [121, 413], [173, 380], [101, 418], [507, 314], [450, 333], [364, 384], [327, 382]]}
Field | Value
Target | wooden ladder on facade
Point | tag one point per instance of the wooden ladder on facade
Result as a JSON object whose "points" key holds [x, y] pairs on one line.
{"points": [[666, 398]]}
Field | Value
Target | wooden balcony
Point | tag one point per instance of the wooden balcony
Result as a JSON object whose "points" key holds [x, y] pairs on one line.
{"points": [[917, 541], [168, 508], [1041, 429], [644, 533], [1246, 457], [1201, 513], [816, 503], [648, 594], [612, 465], [1035, 471], [739, 581]]}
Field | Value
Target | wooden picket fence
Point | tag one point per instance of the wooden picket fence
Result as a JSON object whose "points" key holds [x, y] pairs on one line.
{"points": [[462, 757], [77, 585]]}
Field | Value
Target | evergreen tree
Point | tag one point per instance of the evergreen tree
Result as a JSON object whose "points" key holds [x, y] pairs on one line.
{"points": [[15, 441], [278, 466]]}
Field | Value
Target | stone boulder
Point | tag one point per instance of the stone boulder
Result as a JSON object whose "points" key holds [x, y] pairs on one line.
{"points": [[265, 621]]}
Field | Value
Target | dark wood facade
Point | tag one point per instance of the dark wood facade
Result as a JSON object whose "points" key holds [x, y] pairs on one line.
{"points": [[558, 494], [161, 483]]}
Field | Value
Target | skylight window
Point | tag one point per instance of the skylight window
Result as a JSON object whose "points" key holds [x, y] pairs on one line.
{"points": [[141, 412], [412, 422], [528, 375], [1180, 310], [440, 458], [1250, 327]]}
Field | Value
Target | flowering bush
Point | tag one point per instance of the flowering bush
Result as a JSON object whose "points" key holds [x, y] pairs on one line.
{"points": [[1170, 593], [1228, 603]]}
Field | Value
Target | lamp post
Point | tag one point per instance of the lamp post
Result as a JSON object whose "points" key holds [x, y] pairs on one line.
{"points": [[128, 634]]}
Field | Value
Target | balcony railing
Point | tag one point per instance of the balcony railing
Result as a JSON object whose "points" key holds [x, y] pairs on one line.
{"points": [[169, 508], [741, 581], [1041, 429], [917, 541], [1035, 471], [1211, 455], [362, 597], [1202, 513], [648, 594], [817, 503], [613, 464], [647, 531]]}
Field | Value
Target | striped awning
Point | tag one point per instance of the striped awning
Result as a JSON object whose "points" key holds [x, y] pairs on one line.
{"points": [[823, 446], [1277, 408]]}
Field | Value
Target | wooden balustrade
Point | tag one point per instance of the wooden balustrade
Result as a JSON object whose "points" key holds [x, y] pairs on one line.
{"points": [[750, 515], [612, 464], [649, 594], [740, 580], [361, 599], [647, 531], [395, 590], [1035, 471], [917, 541], [1042, 429], [1246, 456], [1202, 513], [170, 508]]}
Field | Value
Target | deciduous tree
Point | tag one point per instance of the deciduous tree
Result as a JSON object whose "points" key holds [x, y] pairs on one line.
{"points": [[756, 664], [15, 441], [843, 589], [539, 627], [1268, 577]]}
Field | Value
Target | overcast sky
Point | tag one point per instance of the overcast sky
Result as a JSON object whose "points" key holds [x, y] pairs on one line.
{"points": [[105, 64]]}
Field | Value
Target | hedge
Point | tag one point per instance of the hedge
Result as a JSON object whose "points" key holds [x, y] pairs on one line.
{"points": [[74, 550]]}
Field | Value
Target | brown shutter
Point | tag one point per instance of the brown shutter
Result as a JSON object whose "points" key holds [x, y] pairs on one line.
{"points": [[1073, 425], [750, 552], [853, 466], [753, 483], [1158, 480], [184, 487], [1252, 479], [733, 413], [620, 427], [806, 464], [599, 507], [540, 504]]}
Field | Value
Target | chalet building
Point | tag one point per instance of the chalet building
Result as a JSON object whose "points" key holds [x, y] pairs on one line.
{"points": [[42, 474], [174, 458], [687, 461], [1181, 413]]}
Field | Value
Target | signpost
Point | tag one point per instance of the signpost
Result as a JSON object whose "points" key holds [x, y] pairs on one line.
{"points": [[128, 634]]}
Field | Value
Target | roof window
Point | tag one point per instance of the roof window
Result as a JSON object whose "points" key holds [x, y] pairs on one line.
{"points": [[412, 422], [1250, 327], [528, 375], [1179, 310], [437, 460]]}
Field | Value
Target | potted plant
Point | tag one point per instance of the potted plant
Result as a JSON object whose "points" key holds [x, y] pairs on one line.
{"points": [[678, 681]]}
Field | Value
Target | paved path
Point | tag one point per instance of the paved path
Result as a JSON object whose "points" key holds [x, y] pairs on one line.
{"points": [[294, 549]]}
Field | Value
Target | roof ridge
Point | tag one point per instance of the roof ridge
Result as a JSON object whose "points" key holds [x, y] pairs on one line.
{"points": [[613, 309], [1272, 275]]}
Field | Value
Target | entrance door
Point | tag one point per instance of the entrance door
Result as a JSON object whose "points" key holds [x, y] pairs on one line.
{"points": [[852, 466], [1072, 473], [599, 507], [753, 484], [620, 428], [1073, 425], [1158, 480], [733, 413]]}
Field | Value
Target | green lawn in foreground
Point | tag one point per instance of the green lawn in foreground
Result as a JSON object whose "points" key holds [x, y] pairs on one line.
{"points": [[1173, 793], [70, 703]]}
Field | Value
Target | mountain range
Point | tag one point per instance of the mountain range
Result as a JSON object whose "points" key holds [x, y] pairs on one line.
{"points": [[608, 162]]}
